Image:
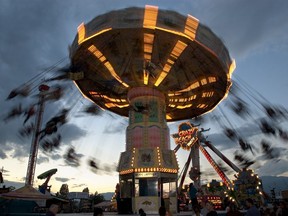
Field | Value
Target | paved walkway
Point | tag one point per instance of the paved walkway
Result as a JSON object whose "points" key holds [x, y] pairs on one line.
{"points": [[186, 213]]}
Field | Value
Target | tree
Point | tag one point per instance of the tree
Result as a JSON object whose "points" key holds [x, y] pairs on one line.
{"points": [[64, 190], [86, 190], [97, 198]]}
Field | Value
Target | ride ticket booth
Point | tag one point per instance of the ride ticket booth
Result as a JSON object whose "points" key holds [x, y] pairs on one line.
{"points": [[148, 188], [148, 169]]}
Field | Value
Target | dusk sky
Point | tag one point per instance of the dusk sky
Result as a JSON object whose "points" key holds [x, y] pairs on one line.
{"points": [[36, 34]]}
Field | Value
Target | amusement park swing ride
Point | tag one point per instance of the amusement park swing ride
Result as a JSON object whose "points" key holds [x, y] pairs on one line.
{"points": [[152, 66]]}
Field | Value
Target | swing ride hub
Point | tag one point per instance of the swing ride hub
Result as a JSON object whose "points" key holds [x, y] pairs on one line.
{"points": [[153, 66], [159, 49]]}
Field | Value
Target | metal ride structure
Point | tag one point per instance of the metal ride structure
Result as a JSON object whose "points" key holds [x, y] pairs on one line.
{"points": [[43, 89], [190, 138], [153, 66], [247, 184]]}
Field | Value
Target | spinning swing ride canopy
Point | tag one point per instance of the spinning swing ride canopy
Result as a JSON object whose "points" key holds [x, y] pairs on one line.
{"points": [[159, 49]]}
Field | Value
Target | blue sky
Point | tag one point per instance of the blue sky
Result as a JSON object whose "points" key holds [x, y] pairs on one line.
{"points": [[36, 34]]}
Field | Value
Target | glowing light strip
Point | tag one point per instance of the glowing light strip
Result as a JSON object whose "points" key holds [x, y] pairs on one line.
{"points": [[173, 94], [98, 54], [191, 26], [208, 94], [158, 156], [94, 35], [216, 167], [203, 81], [212, 79], [149, 169], [148, 49], [232, 68], [99, 95], [110, 105], [184, 107], [170, 31], [191, 87], [168, 116], [193, 97], [202, 106], [81, 33], [176, 52], [82, 92], [150, 16], [133, 157]]}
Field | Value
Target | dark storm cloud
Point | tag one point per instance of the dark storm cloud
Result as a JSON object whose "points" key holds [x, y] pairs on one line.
{"points": [[71, 132], [56, 156], [2, 154], [42, 159], [279, 153], [246, 25], [114, 128], [273, 168], [221, 141]]}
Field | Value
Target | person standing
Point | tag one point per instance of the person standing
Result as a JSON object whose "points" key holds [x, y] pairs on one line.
{"points": [[252, 210], [53, 209], [193, 195], [162, 211], [203, 210], [141, 212], [233, 211], [282, 210]]}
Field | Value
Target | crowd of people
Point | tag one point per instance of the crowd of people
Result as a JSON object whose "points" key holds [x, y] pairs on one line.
{"points": [[206, 208]]}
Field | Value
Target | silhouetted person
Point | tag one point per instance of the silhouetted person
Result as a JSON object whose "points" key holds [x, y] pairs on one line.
{"points": [[98, 212], [141, 212], [162, 211], [53, 209], [193, 195], [252, 210]]}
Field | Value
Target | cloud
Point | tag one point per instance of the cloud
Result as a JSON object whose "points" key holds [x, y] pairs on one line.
{"points": [[274, 168], [78, 185], [42, 159], [56, 156], [62, 179], [248, 26], [116, 126], [72, 132], [2, 154]]}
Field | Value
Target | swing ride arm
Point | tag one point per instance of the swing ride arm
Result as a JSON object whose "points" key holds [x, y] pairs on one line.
{"points": [[216, 167], [225, 159], [186, 166]]}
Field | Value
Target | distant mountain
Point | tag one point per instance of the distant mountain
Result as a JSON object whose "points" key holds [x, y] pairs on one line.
{"points": [[279, 183], [13, 184]]}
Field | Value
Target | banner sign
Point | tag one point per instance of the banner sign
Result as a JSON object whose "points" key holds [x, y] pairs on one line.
{"points": [[186, 136]]}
